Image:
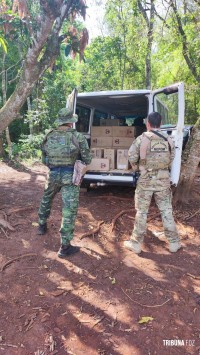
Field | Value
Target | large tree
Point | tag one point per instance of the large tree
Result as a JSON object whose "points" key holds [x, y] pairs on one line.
{"points": [[190, 163], [45, 39]]}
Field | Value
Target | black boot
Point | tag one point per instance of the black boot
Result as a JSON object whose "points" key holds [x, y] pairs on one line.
{"points": [[67, 250], [42, 229]]}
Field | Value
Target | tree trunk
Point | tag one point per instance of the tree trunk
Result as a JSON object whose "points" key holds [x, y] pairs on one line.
{"points": [[8, 139], [4, 91], [30, 118], [44, 50], [2, 151], [190, 163], [150, 25]]}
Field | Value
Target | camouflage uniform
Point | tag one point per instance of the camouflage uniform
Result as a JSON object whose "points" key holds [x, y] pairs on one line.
{"points": [[61, 148], [153, 156]]}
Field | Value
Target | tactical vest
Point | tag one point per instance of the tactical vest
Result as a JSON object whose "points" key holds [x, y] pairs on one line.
{"points": [[61, 147], [155, 152]]}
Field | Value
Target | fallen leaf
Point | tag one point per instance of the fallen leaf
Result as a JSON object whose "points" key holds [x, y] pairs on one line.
{"points": [[57, 293], [145, 320], [35, 224], [113, 280], [45, 317]]}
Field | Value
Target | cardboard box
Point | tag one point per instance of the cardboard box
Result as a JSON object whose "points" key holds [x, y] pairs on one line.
{"points": [[97, 152], [111, 155], [109, 122], [122, 159], [124, 131], [101, 142], [99, 164], [101, 131], [122, 142]]}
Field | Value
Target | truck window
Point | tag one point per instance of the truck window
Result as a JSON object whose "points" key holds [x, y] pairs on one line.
{"points": [[167, 106], [83, 119]]}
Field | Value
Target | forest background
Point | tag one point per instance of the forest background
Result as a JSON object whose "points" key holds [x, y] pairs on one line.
{"points": [[142, 44]]}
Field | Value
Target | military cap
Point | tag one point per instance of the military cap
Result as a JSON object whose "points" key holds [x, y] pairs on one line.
{"points": [[65, 115]]}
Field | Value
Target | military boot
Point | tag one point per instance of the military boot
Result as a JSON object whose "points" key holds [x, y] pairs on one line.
{"points": [[67, 250], [133, 246], [42, 229], [174, 246]]}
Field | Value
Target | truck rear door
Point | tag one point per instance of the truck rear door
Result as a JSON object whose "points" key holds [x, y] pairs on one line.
{"points": [[169, 102], [71, 100]]}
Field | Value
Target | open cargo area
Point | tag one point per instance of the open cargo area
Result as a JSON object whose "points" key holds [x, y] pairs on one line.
{"points": [[111, 122]]}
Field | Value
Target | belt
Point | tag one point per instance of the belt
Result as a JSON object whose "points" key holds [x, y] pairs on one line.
{"points": [[69, 168]]}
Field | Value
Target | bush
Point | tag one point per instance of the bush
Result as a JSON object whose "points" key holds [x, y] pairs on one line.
{"points": [[29, 147]]}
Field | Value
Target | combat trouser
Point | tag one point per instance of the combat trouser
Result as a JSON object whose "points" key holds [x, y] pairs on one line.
{"points": [[60, 179], [163, 200]]}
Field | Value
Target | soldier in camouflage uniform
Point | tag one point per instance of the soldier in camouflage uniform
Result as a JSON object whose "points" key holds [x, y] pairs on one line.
{"points": [[153, 152], [61, 148]]}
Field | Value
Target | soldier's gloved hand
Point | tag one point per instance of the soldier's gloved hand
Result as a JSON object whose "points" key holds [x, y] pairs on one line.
{"points": [[134, 167]]}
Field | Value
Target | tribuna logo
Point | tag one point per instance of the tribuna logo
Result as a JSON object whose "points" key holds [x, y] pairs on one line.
{"points": [[178, 342], [174, 342]]}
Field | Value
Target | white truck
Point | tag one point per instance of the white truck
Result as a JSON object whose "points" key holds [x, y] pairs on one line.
{"points": [[129, 108]]}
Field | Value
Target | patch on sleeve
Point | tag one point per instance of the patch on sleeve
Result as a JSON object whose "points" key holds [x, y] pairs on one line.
{"points": [[159, 146]]}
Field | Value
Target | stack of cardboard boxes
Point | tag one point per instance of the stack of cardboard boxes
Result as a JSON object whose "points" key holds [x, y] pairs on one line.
{"points": [[109, 147]]}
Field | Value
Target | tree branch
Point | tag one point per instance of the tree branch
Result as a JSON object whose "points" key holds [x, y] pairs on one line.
{"points": [[143, 11], [188, 60]]}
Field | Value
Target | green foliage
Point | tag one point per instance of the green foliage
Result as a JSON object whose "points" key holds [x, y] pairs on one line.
{"points": [[38, 116], [16, 128], [29, 147], [101, 70], [3, 44]]}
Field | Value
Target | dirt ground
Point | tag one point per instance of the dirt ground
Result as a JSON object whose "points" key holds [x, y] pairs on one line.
{"points": [[95, 301]]}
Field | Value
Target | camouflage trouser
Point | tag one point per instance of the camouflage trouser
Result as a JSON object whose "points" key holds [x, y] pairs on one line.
{"points": [[61, 180], [142, 202]]}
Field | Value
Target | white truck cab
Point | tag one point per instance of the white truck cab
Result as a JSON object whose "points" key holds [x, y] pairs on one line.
{"points": [[129, 108]]}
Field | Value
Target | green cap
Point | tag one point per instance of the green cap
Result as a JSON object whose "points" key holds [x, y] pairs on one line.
{"points": [[65, 115]]}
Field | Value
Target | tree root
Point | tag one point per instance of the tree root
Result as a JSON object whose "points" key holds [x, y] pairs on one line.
{"points": [[6, 224], [20, 209], [19, 224], [114, 220], [15, 259], [98, 321], [146, 305], [4, 214], [88, 234], [191, 216], [193, 276], [4, 232]]}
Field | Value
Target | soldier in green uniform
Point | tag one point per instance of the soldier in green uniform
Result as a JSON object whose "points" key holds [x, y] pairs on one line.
{"points": [[61, 148], [153, 152]]}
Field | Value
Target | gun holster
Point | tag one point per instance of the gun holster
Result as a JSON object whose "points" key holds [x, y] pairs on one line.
{"points": [[136, 176]]}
